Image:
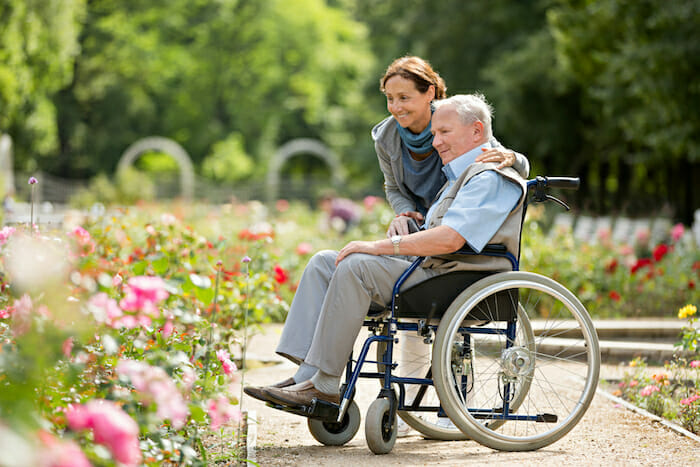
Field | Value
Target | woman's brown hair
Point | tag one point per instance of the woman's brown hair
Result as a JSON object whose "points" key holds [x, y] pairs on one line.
{"points": [[417, 70]]}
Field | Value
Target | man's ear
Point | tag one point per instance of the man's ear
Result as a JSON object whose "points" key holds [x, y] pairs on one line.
{"points": [[478, 130]]}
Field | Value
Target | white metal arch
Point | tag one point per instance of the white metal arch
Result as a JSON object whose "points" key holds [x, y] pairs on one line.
{"points": [[6, 165], [297, 146], [167, 146]]}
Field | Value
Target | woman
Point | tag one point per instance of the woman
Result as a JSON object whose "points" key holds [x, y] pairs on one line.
{"points": [[412, 178], [403, 142]]}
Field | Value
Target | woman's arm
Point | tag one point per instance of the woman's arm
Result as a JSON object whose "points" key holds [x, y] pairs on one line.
{"points": [[399, 203]]}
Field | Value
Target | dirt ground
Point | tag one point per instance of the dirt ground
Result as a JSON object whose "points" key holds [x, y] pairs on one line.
{"points": [[608, 434]]}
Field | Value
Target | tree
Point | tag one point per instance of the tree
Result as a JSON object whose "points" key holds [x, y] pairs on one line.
{"points": [[199, 71], [38, 46]]}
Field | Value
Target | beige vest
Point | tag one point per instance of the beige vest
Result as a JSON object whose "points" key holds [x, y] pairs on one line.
{"points": [[508, 234]]}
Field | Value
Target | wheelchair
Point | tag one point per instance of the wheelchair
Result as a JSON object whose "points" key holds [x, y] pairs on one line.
{"points": [[512, 358]]}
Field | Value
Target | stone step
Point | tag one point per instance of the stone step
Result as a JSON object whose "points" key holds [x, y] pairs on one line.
{"points": [[642, 330]]}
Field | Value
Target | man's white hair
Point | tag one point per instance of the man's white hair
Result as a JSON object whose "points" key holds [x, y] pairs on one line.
{"points": [[470, 108]]}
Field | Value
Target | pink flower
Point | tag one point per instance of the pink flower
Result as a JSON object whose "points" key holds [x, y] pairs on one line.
{"points": [[695, 364], [81, 234], [67, 347], [304, 248], [154, 385], [690, 400], [143, 293], [82, 238], [370, 202], [188, 378], [282, 205], [649, 390], [117, 280], [105, 309], [246, 259], [5, 234], [167, 329], [22, 315], [226, 364], [222, 411], [677, 232], [58, 453], [111, 426], [32, 181], [168, 219], [6, 312]]}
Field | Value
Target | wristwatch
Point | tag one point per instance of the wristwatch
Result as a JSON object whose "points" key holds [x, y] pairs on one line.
{"points": [[395, 240]]}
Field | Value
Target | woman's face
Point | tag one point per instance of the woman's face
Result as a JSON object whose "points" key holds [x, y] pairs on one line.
{"points": [[408, 105]]}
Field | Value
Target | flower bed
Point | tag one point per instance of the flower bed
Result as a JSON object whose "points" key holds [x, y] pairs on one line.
{"points": [[122, 335], [674, 392]]}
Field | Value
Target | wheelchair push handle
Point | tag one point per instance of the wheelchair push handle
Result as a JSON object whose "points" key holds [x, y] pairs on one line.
{"points": [[566, 183], [540, 185]]}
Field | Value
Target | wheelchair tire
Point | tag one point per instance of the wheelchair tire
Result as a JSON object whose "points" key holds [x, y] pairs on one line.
{"points": [[380, 430], [337, 434], [413, 362], [557, 373]]}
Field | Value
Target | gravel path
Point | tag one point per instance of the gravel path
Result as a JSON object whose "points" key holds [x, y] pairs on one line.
{"points": [[608, 434]]}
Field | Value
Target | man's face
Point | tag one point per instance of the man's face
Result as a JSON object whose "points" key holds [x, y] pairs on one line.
{"points": [[452, 138]]}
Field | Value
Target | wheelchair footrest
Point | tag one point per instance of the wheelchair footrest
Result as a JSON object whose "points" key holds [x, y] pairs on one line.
{"points": [[318, 409]]}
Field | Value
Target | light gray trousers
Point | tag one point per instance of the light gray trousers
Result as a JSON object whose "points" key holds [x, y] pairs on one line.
{"points": [[331, 303]]}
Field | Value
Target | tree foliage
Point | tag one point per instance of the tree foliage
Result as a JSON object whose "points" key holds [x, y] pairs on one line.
{"points": [[38, 43], [201, 71], [603, 89]]}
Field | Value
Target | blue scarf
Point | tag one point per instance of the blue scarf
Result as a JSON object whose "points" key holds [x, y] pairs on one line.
{"points": [[418, 143]]}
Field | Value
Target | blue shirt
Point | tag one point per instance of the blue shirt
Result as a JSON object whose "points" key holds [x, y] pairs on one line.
{"points": [[481, 205]]}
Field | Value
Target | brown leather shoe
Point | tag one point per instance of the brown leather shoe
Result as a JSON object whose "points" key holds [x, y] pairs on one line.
{"points": [[300, 395], [257, 391]]}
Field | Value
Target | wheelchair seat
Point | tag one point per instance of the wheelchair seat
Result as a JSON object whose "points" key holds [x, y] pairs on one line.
{"points": [[431, 298]]}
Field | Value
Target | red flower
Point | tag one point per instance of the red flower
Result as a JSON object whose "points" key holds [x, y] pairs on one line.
{"points": [[660, 251], [641, 262], [615, 296], [691, 285], [281, 276], [611, 266]]}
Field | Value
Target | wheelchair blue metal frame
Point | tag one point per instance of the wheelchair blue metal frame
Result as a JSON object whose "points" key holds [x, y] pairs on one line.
{"points": [[352, 375]]}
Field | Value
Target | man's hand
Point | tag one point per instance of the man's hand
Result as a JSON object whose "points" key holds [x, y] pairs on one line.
{"points": [[399, 225], [357, 246], [506, 158]]}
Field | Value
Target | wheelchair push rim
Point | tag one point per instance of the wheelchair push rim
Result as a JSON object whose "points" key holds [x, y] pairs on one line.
{"points": [[560, 374]]}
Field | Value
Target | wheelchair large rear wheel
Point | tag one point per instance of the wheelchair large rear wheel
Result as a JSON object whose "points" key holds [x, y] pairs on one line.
{"points": [[559, 368], [413, 357]]}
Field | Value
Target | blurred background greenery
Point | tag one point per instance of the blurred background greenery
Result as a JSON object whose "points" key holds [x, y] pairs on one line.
{"points": [[607, 90]]}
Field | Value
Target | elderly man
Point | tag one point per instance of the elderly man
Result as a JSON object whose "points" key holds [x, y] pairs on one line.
{"points": [[479, 204]]}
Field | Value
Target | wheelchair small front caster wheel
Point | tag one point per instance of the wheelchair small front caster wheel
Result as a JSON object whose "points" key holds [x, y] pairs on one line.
{"points": [[336, 434], [380, 428]]}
